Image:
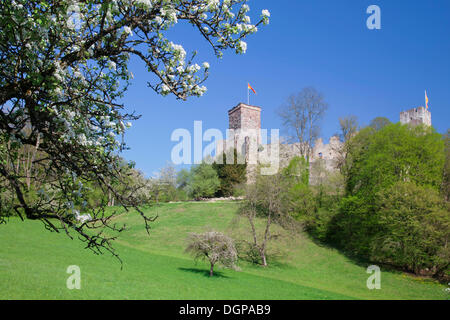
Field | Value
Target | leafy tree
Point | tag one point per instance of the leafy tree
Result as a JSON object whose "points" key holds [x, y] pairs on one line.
{"points": [[63, 71], [203, 181], [396, 153], [414, 225], [297, 171], [393, 212], [266, 199], [164, 183], [299, 197], [312, 202], [231, 175], [215, 247], [348, 128], [446, 179], [348, 157], [183, 177], [379, 123]]}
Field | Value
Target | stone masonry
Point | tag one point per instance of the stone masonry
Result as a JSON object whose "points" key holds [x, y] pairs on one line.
{"points": [[416, 116], [245, 123]]}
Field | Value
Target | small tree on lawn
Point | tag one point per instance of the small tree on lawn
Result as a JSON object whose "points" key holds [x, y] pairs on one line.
{"points": [[266, 199], [214, 247]]}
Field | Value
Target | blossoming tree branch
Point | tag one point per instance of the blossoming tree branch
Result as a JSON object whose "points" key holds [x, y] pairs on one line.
{"points": [[63, 69]]}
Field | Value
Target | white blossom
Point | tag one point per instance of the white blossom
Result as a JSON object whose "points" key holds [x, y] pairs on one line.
{"points": [[265, 14], [112, 65], [242, 47], [127, 30], [82, 218]]}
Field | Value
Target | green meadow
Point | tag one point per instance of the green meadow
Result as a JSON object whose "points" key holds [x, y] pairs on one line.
{"points": [[33, 264]]}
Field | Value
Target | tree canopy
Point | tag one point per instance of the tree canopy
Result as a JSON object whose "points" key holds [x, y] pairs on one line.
{"points": [[394, 212], [395, 153]]}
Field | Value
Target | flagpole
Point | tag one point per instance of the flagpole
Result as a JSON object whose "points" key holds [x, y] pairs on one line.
{"points": [[248, 95]]}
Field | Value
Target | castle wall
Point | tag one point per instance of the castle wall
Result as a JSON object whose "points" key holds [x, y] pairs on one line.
{"points": [[416, 116], [245, 120]]}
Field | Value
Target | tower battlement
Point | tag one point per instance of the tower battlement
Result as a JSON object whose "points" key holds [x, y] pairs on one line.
{"points": [[416, 116], [245, 116]]}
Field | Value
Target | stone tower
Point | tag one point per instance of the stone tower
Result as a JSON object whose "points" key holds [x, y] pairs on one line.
{"points": [[416, 116], [245, 121], [244, 116]]}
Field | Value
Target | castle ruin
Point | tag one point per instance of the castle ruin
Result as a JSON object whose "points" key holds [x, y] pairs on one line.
{"points": [[416, 116], [245, 137]]}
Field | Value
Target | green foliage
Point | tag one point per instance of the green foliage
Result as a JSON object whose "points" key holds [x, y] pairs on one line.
{"points": [[446, 179], [299, 197], [352, 226], [413, 229], [395, 153], [297, 171], [379, 123], [231, 175], [312, 203], [203, 181], [393, 212]]}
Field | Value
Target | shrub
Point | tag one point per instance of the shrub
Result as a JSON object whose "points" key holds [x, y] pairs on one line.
{"points": [[352, 227], [416, 229], [231, 176], [203, 182]]}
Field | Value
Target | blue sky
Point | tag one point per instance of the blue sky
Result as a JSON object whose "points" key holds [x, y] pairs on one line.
{"points": [[320, 43]]}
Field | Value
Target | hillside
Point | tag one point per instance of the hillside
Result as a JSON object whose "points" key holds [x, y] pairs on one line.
{"points": [[33, 264]]}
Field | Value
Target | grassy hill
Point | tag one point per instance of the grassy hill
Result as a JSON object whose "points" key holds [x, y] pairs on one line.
{"points": [[33, 264]]}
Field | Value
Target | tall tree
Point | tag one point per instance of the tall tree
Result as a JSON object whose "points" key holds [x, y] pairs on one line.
{"points": [[393, 179], [379, 123], [63, 69], [301, 116], [203, 181], [266, 199], [348, 127], [230, 175], [446, 179]]}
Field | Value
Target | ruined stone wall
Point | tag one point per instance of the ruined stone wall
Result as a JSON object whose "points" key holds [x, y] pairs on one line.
{"points": [[245, 120], [326, 152], [416, 116]]}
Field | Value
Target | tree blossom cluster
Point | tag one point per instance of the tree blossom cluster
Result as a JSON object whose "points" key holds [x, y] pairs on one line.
{"points": [[63, 71]]}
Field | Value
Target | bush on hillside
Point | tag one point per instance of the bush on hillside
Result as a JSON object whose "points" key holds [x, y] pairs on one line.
{"points": [[393, 212], [232, 176], [201, 182], [415, 225]]}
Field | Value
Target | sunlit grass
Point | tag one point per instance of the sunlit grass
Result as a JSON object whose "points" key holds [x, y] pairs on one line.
{"points": [[33, 264]]}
